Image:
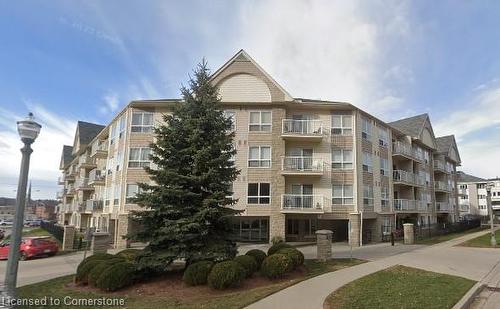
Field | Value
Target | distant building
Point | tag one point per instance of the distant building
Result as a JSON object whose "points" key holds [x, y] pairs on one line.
{"points": [[472, 194], [45, 211]]}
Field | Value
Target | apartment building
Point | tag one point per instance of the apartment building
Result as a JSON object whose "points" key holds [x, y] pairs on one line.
{"points": [[473, 194], [305, 165]]}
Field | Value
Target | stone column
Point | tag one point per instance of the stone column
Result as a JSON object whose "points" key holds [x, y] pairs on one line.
{"points": [[354, 222], [100, 243], [68, 238], [122, 230], [324, 245], [277, 226], [409, 236]]}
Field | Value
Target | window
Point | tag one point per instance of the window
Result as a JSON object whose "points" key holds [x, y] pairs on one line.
{"points": [[386, 227], [426, 156], [481, 196], [366, 130], [341, 125], [384, 166], [260, 121], [463, 186], [481, 186], [259, 156], [116, 196], [231, 116], [292, 226], [367, 162], [112, 136], [342, 194], [310, 227], [119, 160], [384, 196], [142, 122], [368, 195], [122, 126], [230, 190], [132, 190], [139, 157], [342, 159], [383, 137], [259, 193]]}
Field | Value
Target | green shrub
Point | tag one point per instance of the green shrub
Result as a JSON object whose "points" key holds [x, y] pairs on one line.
{"points": [[277, 247], [226, 274], [248, 263], [116, 276], [258, 255], [294, 254], [197, 273], [84, 269], [95, 257], [276, 240], [276, 265], [129, 254]]}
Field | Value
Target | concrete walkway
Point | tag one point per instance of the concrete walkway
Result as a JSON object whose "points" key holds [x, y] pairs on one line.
{"points": [[469, 263]]}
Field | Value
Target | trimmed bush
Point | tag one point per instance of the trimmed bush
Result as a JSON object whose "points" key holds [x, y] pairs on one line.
{"points": [[276, 266], [84, 269], [248, 263], [258, 255], [226, 274], [97, 271], [294, 254], [197, 273], [277, 247], [116, 276], [129, 254], [95, 257]]}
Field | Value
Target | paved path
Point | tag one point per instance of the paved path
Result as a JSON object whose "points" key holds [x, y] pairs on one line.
{"points": [[470, 263]]}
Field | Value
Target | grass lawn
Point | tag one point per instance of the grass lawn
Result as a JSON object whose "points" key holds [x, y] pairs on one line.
{"points": [[162, 295], [400, 287], [34, 232], [438, 239], [482, 241]]}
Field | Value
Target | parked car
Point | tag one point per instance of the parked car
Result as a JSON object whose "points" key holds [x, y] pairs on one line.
{"points": [[31, 247], [6, 222]]}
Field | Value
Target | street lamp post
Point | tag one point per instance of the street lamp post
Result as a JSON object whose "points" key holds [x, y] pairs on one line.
{"points": [[28, 130], [493, 240]]}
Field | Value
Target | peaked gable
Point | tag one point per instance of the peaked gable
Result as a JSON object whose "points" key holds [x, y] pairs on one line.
{"points": [[85, 132], [447, 145], [418, 127], [241, 79]]}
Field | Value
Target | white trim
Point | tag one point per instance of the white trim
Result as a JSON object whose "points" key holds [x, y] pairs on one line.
{"points": [[260, 158], [260, 111], [259, 196]]}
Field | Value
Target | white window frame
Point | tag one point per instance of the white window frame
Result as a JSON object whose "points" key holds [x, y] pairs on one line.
{"points": [[260, 124], [143, 128], [128, 195], [368, 198], [141, 163], [368, 162], [258, 196], [366, 129], [342, 161], [260, 160], [383, 137], [121, 126], [112, 134], [384, 170], [345, 198], [384, 196], [344, 130]]}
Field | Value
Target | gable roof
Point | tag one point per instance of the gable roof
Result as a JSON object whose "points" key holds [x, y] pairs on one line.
{"points": [[66, 156], [445, 144], [242, 56], [411, 126], [87, 131], [464, 177]]}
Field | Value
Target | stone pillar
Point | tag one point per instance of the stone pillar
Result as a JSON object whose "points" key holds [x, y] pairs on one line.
{"points": [[277, 226], [68, 238], [354, 222], [324, 245], [121, 231], [100, 243], [409, 236]]}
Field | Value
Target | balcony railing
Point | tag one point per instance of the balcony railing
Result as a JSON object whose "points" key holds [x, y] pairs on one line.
{"points": [[464, 207], [302, 203], [70, 190], [302, 127], [402, 149], [302, 165], [99, 149], [442, 207], [82, 184], [407, 177], [86, 161], [441, 186], [97, 177], [440, 166], [93, 205], [409, 205]]}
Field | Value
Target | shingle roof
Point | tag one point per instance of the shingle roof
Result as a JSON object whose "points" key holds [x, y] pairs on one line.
{"points": [[411, 126], [87, 131], [463, 177], [67, 154], [444, 143]]}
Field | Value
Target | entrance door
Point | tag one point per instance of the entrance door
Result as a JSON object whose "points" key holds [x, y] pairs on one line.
{"points": [[303, 159], [303, 195]]}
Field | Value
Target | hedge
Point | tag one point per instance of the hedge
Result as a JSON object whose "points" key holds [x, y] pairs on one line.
{"points": [[248, 263], [258, 255], [116, 276], [277, 247], [226, 274], [197, 273], [276, 266]]}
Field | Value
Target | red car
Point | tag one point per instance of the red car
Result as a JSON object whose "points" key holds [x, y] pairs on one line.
{"points": [[32, 247]]}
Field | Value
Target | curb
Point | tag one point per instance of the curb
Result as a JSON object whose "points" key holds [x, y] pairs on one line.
{"points": [[470, 296]]}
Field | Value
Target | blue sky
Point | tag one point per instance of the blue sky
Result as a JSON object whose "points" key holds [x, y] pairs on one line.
{"points": [[85, 60]]}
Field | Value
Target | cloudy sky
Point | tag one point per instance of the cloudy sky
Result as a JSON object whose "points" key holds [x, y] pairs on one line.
{"points": [[67, 60]]}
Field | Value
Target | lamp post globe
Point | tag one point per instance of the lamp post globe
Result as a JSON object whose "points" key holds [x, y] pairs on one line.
{"points": [[28, 131]]}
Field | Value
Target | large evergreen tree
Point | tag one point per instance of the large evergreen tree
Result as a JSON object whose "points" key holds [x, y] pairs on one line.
{"points": [[186, 210]]}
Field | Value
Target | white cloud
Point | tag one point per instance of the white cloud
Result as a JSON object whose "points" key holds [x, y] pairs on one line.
{"points": [[44, 166]]}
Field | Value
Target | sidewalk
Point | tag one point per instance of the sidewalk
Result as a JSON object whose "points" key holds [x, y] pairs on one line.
{"points": [[443, 258]]}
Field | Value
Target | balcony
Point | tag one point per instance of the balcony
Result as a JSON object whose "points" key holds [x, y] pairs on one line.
{"points": [[86, 162], [402, 149], [60, 180], [59, 194], [69, 191], [402, 205], [441, 186], [442, 207], [407, 178], [440, 166], [83, 184], [99, 150], [97, 177], [300, 203], [464, 207], [93, 205], [300, 129], [306, 166]]}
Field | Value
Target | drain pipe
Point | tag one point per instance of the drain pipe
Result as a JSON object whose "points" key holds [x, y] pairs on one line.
{"points": [[361, 229]]}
